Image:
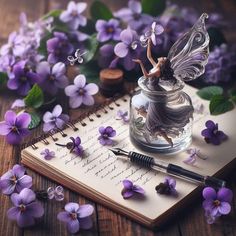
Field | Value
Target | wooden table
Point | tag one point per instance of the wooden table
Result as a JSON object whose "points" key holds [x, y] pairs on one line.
{"points": [[106, 222]]}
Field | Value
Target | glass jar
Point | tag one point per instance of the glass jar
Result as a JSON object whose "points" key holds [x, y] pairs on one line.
{"points": [[161, 121]]}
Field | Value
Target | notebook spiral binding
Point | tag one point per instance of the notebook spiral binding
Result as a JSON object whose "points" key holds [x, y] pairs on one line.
{"points": [[103, 107]]}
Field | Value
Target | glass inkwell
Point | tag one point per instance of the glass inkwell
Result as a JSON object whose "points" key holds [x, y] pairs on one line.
{"points": [[161, 113]]}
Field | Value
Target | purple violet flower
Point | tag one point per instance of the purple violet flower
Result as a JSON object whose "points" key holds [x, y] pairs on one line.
{"points": [[106, 134], [23, 79], [212, 135], [6, 65], [25, 209], [53, 77], [128, 49], [18, 103], [72, 16], [108, 30], [15, 180], [80, 93], [107, 58], [133, 16], [75, 146], [47, 154], [76, 216], [130, 189], [14, 45], [123, 115], [59, 48], [216, 204], [152, 34], [193, 154], [221, 64], [168, 187], [54, 119], [15, 126]]}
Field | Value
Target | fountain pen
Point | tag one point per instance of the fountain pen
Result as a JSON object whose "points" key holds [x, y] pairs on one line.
{"points": [[172, 169]]}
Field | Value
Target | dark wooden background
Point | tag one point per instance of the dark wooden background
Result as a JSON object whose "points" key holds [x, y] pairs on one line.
{"points": [[190, 221]]}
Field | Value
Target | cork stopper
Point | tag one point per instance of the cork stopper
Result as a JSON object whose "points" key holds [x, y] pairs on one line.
{"points": [[111, 82], [111, 76]]}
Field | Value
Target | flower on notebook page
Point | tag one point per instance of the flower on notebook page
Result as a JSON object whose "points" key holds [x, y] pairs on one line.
{"points": [[55, 119], [74, 146], [194, 153], [122, 115], [56, 193], [212, 134], [15, 180], [25, 209], [47, 154], [79, 93], [76, 216], [215, 203], [106, 133], [15, 126], [167, 187], [130, 189]]}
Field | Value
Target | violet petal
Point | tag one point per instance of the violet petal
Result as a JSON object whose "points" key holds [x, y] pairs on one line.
{"points": [[85, 210]]}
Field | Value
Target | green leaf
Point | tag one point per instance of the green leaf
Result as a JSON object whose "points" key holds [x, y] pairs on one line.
{"points": [[99, 10], [208, 92], [35, 97], [91, 71], [153, 7], [91, 46], [43, 44], [89, 28], [233, 98], [35, 120], [3, 78], [58, 25], [54, 13], [219, 104]]}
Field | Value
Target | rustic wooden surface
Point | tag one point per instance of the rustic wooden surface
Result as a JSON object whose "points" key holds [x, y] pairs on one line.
{"points": [[189, 222]]}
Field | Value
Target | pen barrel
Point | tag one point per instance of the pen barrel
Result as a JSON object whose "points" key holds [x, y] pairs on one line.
{"points": [[179, 171], [214, 182], [206, 180], [142, 160]]}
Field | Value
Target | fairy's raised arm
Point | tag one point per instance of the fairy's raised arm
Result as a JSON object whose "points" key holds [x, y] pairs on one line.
{"points": [[189, 55]]}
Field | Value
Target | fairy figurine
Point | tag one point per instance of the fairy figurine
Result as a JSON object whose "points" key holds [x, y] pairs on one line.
{"points": [[186, 61]]}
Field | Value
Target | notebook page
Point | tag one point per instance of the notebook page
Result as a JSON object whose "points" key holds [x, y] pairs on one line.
{"points": [[100, 170]]}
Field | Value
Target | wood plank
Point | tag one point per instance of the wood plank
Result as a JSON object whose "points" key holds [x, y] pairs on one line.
{"points": [[113, 5], [10, 12], [8, 157], [111, 223]]}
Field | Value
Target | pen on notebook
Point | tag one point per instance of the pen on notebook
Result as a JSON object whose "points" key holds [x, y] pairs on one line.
{"points": [[175, 170]]}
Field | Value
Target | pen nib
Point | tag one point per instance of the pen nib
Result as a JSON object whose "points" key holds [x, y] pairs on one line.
{"points": [[119, 152]]}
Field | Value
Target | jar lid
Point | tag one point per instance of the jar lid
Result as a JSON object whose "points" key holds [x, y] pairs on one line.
{"points": [[111, 76]]}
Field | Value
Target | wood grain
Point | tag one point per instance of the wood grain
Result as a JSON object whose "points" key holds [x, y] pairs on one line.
{"points": [[190, 222]]}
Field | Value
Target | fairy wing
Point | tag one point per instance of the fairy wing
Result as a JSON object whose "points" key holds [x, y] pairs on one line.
{"points": [[189, 54]]}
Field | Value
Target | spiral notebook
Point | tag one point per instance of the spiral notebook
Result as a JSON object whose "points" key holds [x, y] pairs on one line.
{"points": [[99, 174]]}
